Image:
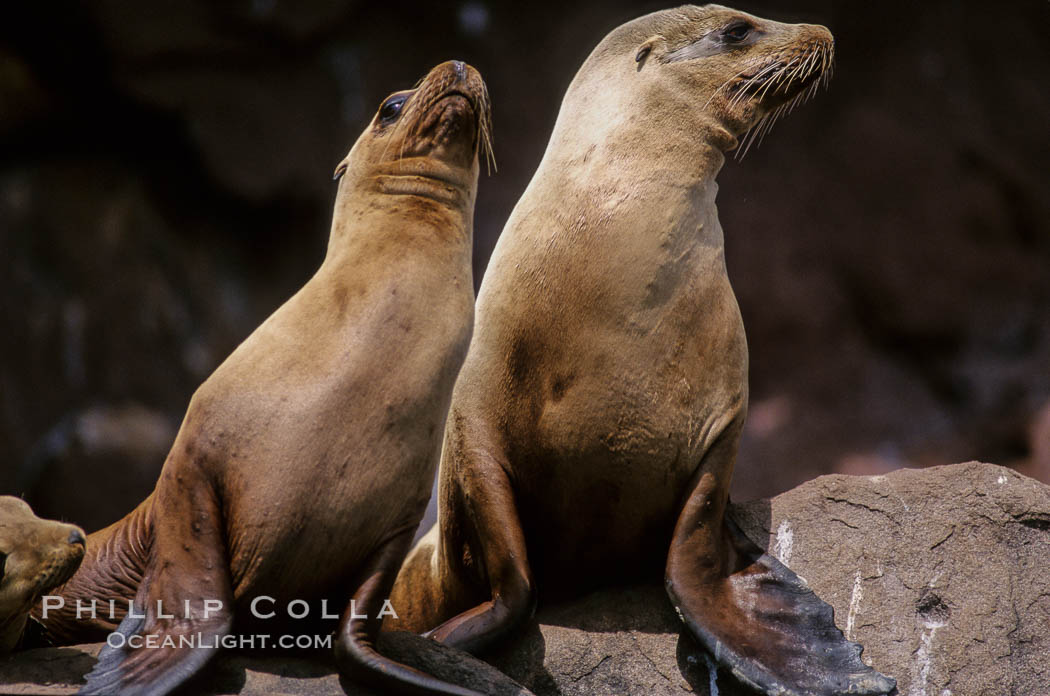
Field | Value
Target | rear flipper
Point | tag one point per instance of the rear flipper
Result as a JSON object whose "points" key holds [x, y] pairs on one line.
{"points": [[183, 607], [759, 619], [355, 649]]}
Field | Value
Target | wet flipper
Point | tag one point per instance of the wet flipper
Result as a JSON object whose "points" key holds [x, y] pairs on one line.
{"points": [[183, 607], [765, 625]]}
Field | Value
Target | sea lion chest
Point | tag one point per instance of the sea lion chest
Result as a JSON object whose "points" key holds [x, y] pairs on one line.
{"points": [[617, 393], [319, 448]]}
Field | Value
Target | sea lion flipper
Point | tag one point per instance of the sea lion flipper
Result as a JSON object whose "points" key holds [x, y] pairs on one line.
{"points": [[761, 621], [183, 608], [355, 649], [499, 550]]}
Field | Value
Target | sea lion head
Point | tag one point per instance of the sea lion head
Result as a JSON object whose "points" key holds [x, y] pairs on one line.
{"points": [[709, 65], [35, 556], [425, 141]]}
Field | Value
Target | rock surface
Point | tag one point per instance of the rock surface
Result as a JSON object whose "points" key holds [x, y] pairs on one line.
{"points": [[165, 183], [60, 671], [940, 573]]}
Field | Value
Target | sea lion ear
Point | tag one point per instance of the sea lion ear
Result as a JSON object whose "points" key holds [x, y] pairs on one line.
{"points": [[339, 171], [647, 47]]}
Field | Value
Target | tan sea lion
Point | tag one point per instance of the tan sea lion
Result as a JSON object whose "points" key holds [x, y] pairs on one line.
{"points": [[35, 556], [600, 407], [305, 461]]}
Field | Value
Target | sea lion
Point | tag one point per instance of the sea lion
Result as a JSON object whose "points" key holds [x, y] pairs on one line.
{"points": [[600, 407], [35, 556], [305, 461]]}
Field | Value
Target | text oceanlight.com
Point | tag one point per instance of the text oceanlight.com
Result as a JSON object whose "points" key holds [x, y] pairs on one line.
{"points": [[194, 641]]}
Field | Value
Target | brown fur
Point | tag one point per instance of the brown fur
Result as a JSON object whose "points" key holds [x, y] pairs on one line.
{"points": [[597, 416], [35, 557], [304, 462], [608, 354]]}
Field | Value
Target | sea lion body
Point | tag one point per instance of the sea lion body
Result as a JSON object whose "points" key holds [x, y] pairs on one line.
{"points": [[600, 407], [605, 410], [35, 556], [304, 462]]}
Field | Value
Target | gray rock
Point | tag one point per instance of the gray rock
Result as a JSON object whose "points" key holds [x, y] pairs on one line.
{"points": [[60, 671], [940, 573]]}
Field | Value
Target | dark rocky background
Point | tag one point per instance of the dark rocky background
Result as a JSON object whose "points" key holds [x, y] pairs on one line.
{"points": [[165, 184]]}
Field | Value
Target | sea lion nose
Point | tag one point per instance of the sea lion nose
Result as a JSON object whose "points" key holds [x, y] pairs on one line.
{"points": [[461, 70], [77, 537]]}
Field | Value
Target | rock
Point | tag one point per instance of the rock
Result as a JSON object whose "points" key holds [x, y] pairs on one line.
{"points": [[611, 642], [59, 671], [940, 573]]}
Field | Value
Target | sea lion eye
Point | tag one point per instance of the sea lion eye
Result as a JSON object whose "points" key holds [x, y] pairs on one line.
{"points": [[3, 562], [737, 31], [391, 109]]}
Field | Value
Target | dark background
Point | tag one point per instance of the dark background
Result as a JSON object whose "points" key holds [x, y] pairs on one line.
{"points": [[165, 184]]}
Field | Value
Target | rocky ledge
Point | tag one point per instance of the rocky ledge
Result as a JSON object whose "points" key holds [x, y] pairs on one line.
{"points": [[940, 573]]}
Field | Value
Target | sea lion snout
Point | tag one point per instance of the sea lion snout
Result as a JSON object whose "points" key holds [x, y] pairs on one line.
{"points": [[446, 120], [36, 555], [454, 119], [791, 62]]}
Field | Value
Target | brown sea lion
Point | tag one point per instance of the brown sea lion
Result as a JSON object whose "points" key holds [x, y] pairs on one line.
{"points": [[305, 461], [600, 407], [35, 556]]}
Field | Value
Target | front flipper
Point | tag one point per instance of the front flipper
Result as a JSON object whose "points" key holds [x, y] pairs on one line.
{"points": [[491, 516], [755, 616], [183, 607], [355, 649]]}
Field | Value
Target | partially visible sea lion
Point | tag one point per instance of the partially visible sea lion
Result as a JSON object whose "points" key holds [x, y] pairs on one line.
{"points": [[35, 556], [600, 407], [305, 461]]}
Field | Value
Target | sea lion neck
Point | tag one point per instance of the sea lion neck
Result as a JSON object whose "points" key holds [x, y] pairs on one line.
{"points": [[674, 169], [432, 206], [652, 130]]}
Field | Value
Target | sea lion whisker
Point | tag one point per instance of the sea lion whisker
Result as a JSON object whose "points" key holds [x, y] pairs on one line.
{"points": [[813, 90], [763, 92], [725, 85], [797, 62], [749, 138], [742, 92], [766, 127], [764, 67], [804, 67], [486, 135]]}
